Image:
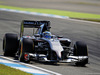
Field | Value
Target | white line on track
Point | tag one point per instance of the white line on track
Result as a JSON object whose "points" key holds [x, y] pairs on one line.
{"points": [[32, 66], [34, 13], [84, 21], [46, 15]]}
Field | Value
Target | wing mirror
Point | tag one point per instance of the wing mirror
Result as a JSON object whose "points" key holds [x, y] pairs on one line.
{"points": [[37, 35], [60, 36]]}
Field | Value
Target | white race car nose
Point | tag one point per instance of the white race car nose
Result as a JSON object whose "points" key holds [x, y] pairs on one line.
{"points": [[58, 54], [56, 46]]}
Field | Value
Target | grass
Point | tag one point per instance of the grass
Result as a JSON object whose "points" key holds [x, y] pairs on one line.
{"points": [[70, 14], [5, 70]]}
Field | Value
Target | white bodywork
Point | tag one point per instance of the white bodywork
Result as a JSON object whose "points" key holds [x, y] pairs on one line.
{"points": [[55, 46]]}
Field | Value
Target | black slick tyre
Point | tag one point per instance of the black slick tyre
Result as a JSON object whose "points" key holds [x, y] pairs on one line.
{"points": [[10, 44], [80, 49]]}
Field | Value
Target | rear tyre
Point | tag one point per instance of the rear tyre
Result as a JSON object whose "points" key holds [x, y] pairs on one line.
{"points": [[10, 44], [26, 48], [80, 49]]}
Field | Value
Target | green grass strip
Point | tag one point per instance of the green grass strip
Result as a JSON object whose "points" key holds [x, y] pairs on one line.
{"points": [[5, 70], [56, 12]]}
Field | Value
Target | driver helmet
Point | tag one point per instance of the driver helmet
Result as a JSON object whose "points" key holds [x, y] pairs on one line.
{"points": [[47, 34]]}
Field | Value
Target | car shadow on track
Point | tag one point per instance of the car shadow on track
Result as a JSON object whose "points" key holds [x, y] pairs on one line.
{"points": [[35, 62]]}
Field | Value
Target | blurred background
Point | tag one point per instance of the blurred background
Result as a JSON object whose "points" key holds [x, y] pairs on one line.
{"points": [[86, 6]]}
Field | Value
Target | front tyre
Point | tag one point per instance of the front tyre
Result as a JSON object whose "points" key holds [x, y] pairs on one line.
{"points": [[80, 49]]}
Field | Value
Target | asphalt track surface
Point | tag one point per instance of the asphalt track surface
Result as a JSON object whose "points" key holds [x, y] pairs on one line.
{"points": [[75, 30], [86, 6]]}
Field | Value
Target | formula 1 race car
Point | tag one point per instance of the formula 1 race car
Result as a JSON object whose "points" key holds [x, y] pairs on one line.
{"points": [[43, 46]]}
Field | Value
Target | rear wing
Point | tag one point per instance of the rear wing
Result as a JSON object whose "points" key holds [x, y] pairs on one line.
{"points": [[32, 24]]}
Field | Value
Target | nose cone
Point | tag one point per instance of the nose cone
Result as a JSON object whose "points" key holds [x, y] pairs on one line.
{"points": [[58, 54]]}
